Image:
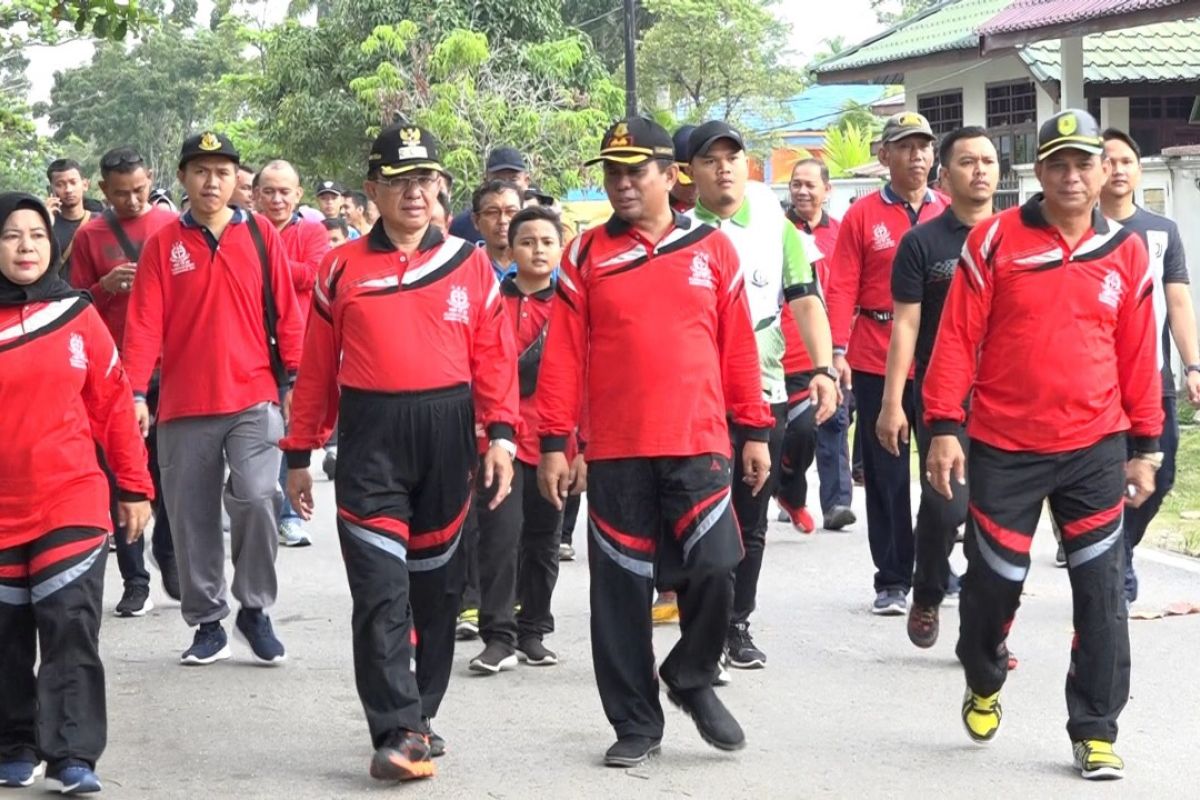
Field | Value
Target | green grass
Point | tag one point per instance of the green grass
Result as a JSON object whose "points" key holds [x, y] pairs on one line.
{"points": [[1177, 526]]}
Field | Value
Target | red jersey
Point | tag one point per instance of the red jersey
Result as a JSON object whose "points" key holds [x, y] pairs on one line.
{"points": [[661, 335], [1056, 345], [200, 303], [860, 274], [97, 252], [826, 234], [305, 243], [385, 321], [64, 390]]}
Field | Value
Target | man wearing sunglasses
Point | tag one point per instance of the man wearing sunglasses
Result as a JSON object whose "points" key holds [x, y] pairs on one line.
{"points": [[105, 258]]}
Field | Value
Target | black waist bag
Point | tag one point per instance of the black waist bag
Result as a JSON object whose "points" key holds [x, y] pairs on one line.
{"points": [[528, 364]]}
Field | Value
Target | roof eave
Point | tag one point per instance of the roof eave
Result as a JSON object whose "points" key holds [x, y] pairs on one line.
{"points": [[892, 72], [993, 43]]}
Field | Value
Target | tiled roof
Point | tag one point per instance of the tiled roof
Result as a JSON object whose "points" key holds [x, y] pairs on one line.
{"points": [[1026, 15], [1165, 52], [946, 27]]}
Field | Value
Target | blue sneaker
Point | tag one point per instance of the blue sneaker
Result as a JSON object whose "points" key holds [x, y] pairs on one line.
{"points": [[73, 777], [209, 644], [18, 773], [255, 628]]}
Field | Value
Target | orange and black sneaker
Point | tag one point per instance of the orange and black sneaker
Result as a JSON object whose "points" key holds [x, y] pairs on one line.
{"points": [[404, 756]]}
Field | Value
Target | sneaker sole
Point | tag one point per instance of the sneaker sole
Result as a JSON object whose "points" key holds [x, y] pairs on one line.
{"points": [[889, 611], [626, 763], [728, 747], [754, 663], [1102, 774], [141, 612], [289, 543], [506, 664], [395, 767], [548, 661], [55, 785], [195, 661], [266, 662]]}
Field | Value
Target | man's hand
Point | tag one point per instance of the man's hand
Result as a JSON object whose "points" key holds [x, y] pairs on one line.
{"points": [[756, 465], [892, 428], [945, 460], [53, 205], [554, 478], [498, 470], [133, 517], [825, 396], [578, 475], [299, 491], [1139, 480], [1193, 388], [142, 412], [120, 280], [286, 409], [843, 368]]}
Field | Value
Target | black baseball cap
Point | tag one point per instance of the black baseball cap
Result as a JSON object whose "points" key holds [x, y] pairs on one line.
{"points": [[680, 140], [404, 148], [506, 158], [634, 140], [330, 187], [904, 124], [208, 143], [1072, 129], [709, 134]]}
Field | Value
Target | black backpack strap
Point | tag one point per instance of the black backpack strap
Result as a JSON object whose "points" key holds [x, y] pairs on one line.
{"points": [[132, 252], [270, 311]]}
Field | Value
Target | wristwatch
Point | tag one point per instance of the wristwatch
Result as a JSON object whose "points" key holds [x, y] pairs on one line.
{"points": [[1153, 459], [828, 372], [505, 445], [1190, 368]]}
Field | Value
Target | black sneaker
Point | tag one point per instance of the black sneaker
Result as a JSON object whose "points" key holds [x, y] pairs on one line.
{"points": [[437, 745], [404, 756], [839, 517], [208, 645], [740, 646], [329, 464], [135, 601], [496, 657], [713, 720], [534, 653], [923, 625], [170, 578], [630, 751], [255, 628]]}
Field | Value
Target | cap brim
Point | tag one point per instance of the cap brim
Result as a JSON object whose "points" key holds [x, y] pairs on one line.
{"points": [[621, 157], [704, 147], [1053, 146], [183, 160], [684, 178], [514, 167], [905, 134], [400, 169]]}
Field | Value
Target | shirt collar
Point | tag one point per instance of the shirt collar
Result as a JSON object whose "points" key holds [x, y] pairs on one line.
{"points": [[1033, 216], [379, 241], [796, 219], [617, 226], [741, 217], [188, 221], [891, 198], [951, 219], [509, 287]]}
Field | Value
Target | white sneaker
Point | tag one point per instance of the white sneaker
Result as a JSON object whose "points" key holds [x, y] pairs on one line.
{"points": [[292, 534]]}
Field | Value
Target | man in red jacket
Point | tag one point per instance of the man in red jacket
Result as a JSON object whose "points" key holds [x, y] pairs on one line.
{"points": [[1054, 398], [659, 471], [106, 252], [209, 286], [305, 243]]}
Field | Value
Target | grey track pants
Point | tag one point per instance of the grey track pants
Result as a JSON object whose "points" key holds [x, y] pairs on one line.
{"points": [[192, 454]]}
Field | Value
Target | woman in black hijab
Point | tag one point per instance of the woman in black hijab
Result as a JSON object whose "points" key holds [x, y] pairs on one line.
{"points": [[64, 391]]}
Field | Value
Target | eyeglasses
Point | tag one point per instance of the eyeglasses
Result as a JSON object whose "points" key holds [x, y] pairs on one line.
{"points": [[497, 213], [407, 182]]}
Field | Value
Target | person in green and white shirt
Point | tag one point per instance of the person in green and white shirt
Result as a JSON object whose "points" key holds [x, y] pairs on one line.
{"points": [[776, 270]]}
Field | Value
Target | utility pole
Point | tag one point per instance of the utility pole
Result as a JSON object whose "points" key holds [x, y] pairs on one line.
{"points": [[630, 73]]}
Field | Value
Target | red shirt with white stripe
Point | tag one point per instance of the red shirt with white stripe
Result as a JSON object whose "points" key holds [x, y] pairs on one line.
{"points": [[385, 321], [64, 390], [661, 335], [305, 243], [1055, 344], [199, 302]]}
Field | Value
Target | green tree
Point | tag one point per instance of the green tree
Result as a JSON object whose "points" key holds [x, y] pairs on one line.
{"points": [[23, 152], [603, 21], [50, 21], [859, 116], [716, 58], [890, 12], [846, 149]]}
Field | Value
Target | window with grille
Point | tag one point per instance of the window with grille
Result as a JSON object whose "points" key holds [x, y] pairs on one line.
{"points": [[1162, 121], [944, 111], [1011, 104]]}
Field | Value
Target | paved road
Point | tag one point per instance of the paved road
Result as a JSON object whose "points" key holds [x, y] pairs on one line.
{"points": [[847, 707]]}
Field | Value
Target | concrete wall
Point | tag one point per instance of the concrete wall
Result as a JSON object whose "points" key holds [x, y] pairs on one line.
{"points": [[972, 77]]}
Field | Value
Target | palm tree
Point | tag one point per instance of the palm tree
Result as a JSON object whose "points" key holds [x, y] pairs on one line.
{"points": [[846, 148]]}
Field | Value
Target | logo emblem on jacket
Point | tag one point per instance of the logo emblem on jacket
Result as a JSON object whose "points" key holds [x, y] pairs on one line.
{"points": [[458, 305], [701, 272], [78, 351], [180, 260], [1111, 293], [881, 237]]}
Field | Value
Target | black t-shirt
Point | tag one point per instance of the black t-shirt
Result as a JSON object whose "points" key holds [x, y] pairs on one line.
{"points": [[464, 228], [1167, 265], [64, 234], [921, 271]]}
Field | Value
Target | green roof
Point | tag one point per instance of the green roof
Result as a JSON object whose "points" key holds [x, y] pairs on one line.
{"points": [[943, 28], [1164, 52]]}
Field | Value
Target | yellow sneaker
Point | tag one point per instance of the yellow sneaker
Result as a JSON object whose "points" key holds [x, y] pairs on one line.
{"points": [[665, 609], [981, 716], [1096, 760]]}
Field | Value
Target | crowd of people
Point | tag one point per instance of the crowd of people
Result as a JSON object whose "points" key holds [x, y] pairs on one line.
{"points": [[468, 376]]}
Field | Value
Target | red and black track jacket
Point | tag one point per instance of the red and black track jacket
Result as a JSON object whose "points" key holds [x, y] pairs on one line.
{"points": [[662, 333], [64, 390], [199, 302], [305, 243], [384, 321], [1056, 345]]}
